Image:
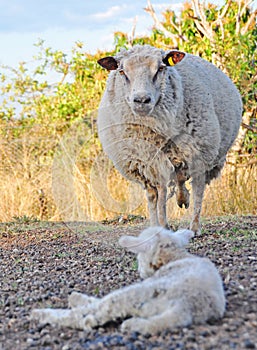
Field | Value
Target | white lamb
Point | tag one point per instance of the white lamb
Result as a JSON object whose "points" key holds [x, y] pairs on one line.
{"points": [[179, 289], [166, 117]]}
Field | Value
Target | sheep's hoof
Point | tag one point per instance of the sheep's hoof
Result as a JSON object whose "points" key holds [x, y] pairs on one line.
{"points": [[182, 198], [195, 227], [186, 205]]}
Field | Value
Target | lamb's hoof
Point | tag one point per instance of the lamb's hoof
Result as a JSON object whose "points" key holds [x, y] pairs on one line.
{"points": [[40, 315], [89, 322], [51, 316], [138, 325]]}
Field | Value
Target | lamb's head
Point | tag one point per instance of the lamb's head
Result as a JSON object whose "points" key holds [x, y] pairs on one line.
{"points": [[156, 247], [141, 71]]}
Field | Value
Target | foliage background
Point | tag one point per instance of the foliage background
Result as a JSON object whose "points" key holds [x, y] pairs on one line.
{"points": [[52, 167]]}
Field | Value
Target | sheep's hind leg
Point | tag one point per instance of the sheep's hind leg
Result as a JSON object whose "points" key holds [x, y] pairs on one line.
{"points": [[182, 196], [198, 186], [161, 206], [182, 193], [176, 316], [152, 198]]}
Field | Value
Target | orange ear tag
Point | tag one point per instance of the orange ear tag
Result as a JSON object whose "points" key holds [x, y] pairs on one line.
{"points": [[170, 60]]}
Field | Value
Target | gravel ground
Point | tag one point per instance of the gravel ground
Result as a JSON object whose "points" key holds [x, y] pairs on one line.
{"points": [[41, 263]]}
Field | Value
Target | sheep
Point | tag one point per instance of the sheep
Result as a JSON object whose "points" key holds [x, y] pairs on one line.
{"points": [[165, 118], [179, 289]]}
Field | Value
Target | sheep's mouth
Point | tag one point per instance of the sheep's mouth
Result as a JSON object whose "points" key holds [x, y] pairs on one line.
{"points": [[144, 109], [141, 109]]}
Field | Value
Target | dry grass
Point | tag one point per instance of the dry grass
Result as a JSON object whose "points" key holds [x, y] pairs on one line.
{"points": [[70, 182]]}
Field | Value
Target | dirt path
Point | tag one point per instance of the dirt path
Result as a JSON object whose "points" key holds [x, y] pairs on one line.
{"points": [[41, 263]]}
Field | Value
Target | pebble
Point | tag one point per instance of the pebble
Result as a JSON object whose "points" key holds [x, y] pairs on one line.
{"points": [[30, 340], [249, 344], [66, 347], [47, 340]]}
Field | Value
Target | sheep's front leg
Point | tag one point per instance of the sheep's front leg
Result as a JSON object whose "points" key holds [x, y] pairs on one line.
{"points": [[161, 206], [152, 199], [198, 186]]}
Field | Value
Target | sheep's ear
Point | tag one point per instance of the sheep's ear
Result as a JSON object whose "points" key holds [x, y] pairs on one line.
{"points": [[134, 244], [183, 237], [108, 62], [173, 57]]}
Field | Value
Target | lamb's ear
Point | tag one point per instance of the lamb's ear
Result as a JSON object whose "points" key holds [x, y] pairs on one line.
{"points": [[108, 62], [173, 57], [134, 244], [183, 237]]}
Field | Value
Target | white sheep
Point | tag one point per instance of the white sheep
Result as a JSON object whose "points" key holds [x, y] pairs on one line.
{"points": [[166, 117], [179, 289]]}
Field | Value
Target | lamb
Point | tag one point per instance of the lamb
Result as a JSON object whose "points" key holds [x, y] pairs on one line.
{"points": [[166, 117], [179, 289]]}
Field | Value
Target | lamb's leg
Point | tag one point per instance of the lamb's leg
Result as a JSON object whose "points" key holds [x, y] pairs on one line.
{"points": [[152, 198], [120, 304], [175, 316], [62, 317], [161, 206], [81, 305], [198, 186]]}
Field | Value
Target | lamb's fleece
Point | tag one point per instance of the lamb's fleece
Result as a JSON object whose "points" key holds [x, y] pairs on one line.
{"points": [[179, 289]]}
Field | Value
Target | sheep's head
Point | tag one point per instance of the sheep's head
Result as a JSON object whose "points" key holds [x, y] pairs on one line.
{"points": [[156, 247], [142, 71]]}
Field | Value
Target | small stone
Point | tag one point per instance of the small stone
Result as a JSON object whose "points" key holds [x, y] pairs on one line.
{"points": [[47, 340], [66, 347], [241, 287], [205, 333], [249, 344], [30, 341]]}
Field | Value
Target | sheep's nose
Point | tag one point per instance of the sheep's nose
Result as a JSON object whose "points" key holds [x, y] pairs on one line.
{"points": [[142, 99]]}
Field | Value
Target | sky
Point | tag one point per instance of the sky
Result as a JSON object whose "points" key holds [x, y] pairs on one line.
{"points": [[63, 22]]}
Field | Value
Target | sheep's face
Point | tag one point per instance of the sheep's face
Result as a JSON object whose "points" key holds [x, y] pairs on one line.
{"points": [[156, 247], [142, 81], [142, 75]]}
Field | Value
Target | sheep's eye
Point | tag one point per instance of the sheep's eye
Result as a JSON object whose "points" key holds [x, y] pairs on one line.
{"points": [[123, 73], [160, 69]]}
